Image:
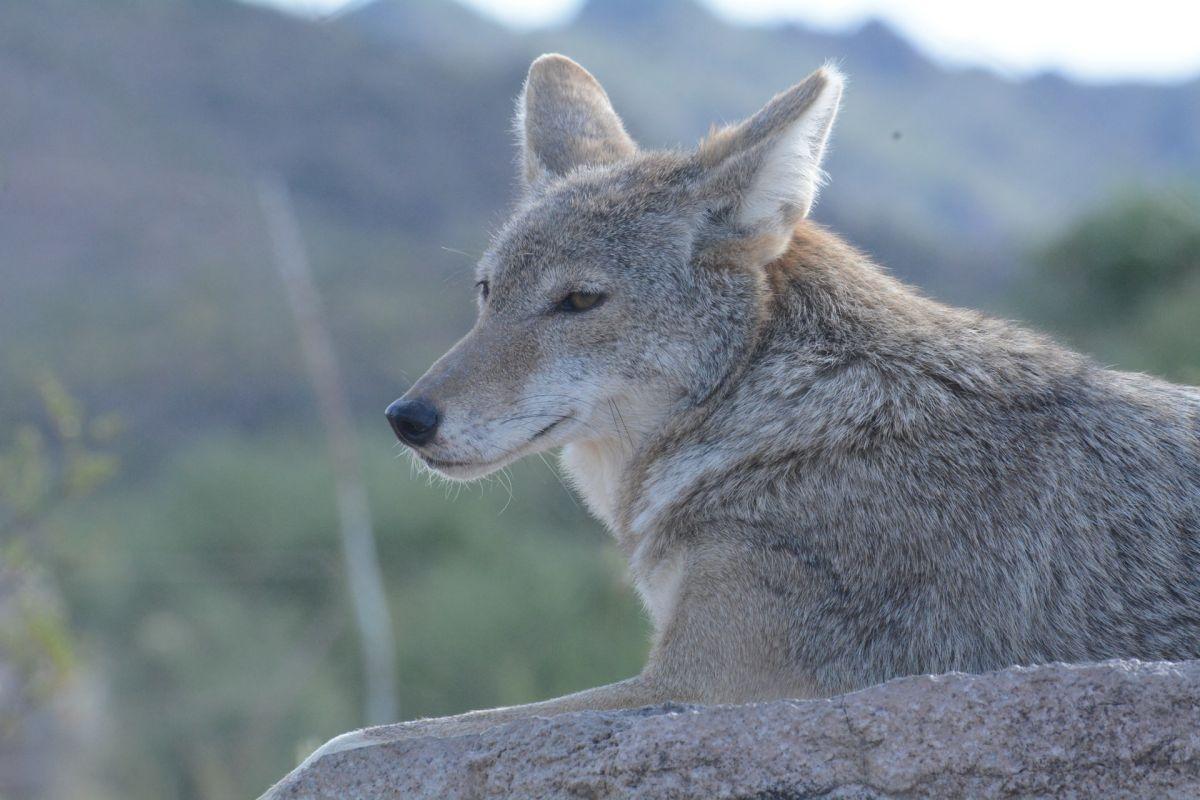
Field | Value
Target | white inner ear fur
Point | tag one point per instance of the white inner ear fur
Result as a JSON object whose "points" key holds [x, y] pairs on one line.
{"points": [[786, 182]]}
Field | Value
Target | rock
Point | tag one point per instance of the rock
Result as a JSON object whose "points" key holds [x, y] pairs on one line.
{"points": [[1117, 729]]}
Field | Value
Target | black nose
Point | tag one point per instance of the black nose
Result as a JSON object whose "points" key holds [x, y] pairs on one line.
{"points": [[414, 421]]}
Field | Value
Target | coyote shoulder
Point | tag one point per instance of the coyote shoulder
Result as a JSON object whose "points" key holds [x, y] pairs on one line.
{"points": [[821, 479]]}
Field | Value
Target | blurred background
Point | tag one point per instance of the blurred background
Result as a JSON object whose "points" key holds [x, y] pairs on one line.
{"points": [[203, 203]]}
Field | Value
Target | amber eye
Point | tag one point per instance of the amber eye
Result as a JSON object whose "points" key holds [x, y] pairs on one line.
{"points": [[580, 301], [484, 289]]}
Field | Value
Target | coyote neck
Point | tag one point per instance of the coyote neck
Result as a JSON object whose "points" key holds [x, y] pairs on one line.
{"points": [[595, 467], [598, 466], [602, 471]]}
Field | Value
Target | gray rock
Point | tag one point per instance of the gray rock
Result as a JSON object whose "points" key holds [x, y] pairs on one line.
{"points": [[1117, 729]]}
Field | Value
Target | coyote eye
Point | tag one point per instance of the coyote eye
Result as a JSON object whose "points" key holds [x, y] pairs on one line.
{"points": [[484, 289], [580, 301]]}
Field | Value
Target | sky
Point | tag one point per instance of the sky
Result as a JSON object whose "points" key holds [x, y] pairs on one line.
{"points": [[1094, 41]]}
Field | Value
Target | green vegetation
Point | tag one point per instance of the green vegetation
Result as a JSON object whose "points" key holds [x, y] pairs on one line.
{"points": [[1123, 283], [59, 460], [214, 595]]}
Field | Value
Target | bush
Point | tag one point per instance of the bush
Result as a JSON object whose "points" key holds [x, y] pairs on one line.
{"points": [[213, 600], [1124, 283]]}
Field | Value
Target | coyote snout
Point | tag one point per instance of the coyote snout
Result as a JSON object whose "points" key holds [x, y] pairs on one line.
{"points": [[414, 421], [512, 387]]}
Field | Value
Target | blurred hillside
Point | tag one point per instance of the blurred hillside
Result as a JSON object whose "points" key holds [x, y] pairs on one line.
{"points": [[134, 257], [171, 598]]}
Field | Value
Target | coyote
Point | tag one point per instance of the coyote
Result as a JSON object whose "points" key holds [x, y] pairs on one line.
{"points": [[821, 479]]}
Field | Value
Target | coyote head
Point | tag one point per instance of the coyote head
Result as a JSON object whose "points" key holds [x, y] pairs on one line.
{"points": [[627, 283]]}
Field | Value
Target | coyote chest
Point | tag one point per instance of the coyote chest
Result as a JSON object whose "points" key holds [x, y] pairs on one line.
{"points": [[596, 468]]}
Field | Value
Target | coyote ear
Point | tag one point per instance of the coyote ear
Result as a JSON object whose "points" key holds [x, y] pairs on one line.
{"points": [[766, 171], [565, 120]]}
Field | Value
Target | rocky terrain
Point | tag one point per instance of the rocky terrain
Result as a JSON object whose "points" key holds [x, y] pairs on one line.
{"points": [[1113, 729]]}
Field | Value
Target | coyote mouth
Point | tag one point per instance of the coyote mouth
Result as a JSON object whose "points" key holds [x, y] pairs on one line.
{"points": [[549, 428], [444, 464]]}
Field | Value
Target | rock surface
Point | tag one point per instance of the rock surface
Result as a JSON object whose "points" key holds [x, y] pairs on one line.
{"points": [[1117, 729]]}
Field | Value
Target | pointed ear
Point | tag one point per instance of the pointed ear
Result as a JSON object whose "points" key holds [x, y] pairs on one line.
{"points": [[765, 172], [565, 120]]}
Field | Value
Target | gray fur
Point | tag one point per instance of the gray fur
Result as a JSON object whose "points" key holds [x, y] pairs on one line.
{"points": [[821, 478], [565, 120]]}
